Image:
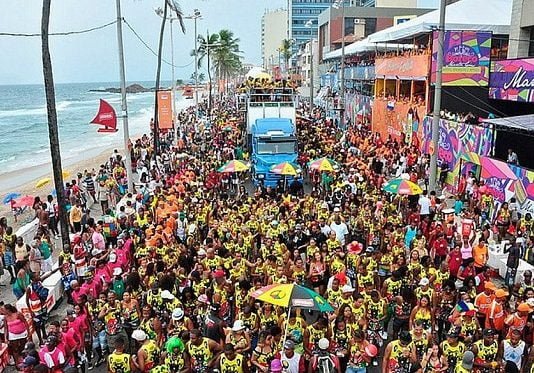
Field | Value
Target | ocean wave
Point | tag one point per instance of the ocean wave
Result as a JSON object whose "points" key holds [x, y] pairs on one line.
{"points": [[60, 106]]}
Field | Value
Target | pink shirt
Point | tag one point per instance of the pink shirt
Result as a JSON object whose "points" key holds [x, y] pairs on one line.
{"points": [[99, 241]]}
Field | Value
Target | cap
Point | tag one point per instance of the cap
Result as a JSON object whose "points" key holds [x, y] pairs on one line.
{"points": [[524, 307], [289, 345], [201, 252], [71, 311], [177, 314], [276, 366], [203, 298], [337, 209], [470, 313], [500, 293], [488, 333], [139, 335], [323, 344], [238, 326], [29, 361], [468, 360], [117, 271], [453, 333], [424, 281], [347, 289], [165, 294], [489, 285], [219, 273], [51, 339]]}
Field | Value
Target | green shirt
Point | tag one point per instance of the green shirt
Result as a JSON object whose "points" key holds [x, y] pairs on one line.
{"points": [[45, 250]]}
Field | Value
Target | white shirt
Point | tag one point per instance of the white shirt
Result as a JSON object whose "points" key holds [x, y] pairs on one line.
{"points": [[341, 230], [290, 365], [424, 203]]}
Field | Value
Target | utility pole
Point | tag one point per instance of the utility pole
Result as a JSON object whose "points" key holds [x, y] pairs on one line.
{"points": [[311, 70], [172, 77], [53, 135], [158, 77], [124, 107], [196, 66], [342, 88], [437, 99]]}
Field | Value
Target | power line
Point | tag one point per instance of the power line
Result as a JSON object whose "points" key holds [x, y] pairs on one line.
{"points": [[151, 49], [59, 33]]}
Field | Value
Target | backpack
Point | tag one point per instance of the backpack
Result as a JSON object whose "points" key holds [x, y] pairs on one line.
{"points": [[324, 364]]}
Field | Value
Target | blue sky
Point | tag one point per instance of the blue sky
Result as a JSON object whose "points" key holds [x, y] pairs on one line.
{"points": [[93, 57]]}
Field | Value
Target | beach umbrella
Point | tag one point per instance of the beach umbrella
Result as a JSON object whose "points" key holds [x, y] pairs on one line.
{"points": [[292, 295], [65, 173], [285, 169], [234, 166], [25, 201], [43, 182], [9, 197], [323, 164], [402, 187]]}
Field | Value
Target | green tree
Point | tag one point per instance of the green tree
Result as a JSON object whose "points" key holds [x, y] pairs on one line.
{"points": [[227, 56], [286, 52], [205, 46]]}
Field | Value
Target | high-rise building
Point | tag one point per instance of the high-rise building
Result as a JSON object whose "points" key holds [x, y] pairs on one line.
{"points": [[273, 32], [522, 29]]}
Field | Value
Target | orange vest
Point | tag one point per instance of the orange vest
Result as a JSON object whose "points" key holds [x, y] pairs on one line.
{"points": [[496, 313], [483, 302]]}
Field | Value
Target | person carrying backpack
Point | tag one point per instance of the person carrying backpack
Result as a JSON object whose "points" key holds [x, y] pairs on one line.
{"points": [[324, 361]]}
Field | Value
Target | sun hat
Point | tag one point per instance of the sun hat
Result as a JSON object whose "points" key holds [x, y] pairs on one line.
{"points": [[371, 350], [177, 314], [500, 293], [166, 294], [424, 281], [524, 307], [323, 344], [238, 326], [219, 273], [347, 289], [489, 285], [117, 271], [139, 335]]}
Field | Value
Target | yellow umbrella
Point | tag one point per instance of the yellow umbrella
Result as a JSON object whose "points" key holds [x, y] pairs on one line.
{"points": [[43, 182]]}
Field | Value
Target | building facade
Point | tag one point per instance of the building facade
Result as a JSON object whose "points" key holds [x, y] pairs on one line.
{"points": [[273, 32], [522, 29]]}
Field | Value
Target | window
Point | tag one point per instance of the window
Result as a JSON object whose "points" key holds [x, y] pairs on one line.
{"points": [[276, 147]]}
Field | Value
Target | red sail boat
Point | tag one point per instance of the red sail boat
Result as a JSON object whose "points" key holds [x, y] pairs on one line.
{"points": [[106, 117]]}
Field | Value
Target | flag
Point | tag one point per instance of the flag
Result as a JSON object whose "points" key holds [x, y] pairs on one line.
{"points": [[106, 117]]}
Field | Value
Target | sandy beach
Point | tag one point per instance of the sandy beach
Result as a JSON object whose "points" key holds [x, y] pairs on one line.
{"points": [[24, 181]]}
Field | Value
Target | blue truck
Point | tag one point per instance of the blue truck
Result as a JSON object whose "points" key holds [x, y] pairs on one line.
{"points": [[273, 141]]}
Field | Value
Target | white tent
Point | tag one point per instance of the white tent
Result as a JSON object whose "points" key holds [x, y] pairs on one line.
{"points": [[365, 45], [473, 15]]}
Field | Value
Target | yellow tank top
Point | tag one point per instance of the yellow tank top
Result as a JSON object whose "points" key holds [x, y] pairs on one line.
{"points": [[232, 366], [487, 353], [119, 363], [152, 354], [201, 354]]}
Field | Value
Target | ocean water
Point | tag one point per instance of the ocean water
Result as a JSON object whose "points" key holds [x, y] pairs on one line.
{"points": [[24, 129]]}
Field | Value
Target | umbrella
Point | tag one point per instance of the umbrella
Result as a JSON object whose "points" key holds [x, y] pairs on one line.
{"points": [[43, 182], [9, 197], [285, 169], [323, 164], [234, 166], [292, 295], [25, 201], [402, 187], [65, 173]]}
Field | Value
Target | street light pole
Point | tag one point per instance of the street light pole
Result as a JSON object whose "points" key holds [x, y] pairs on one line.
{"points": [[437, 100], [172, 77], [196, 15], [124, 106], [309, 25], [342, 93]]}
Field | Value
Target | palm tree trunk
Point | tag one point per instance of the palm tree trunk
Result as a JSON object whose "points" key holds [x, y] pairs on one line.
{"points": [[53, 134], [158, 77], [209, 75]]}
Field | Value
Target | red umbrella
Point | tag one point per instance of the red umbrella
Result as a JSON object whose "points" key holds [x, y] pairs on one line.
{"points": [[25, 201]]}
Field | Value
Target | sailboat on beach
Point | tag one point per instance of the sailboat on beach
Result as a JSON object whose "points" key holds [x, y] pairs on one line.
{"points": [[106, 117]]}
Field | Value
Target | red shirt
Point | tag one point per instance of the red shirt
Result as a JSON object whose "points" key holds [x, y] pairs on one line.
{"points": [[455, 262], [440, 247]]}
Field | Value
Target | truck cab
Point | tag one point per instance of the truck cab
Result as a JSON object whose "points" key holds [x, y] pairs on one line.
{"points": [[273, 141]]}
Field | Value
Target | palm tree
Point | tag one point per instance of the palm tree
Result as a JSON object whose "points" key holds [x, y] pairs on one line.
{"points": [[203, 52], [286, 51], [227, 56], [53, 134], [179, 16]]}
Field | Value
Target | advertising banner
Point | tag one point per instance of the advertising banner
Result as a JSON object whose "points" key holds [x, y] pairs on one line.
{"points": [[457, 139], [165, 110], [512, 80], [466, 58], [358, 108], [407, 67], [397, 119]]}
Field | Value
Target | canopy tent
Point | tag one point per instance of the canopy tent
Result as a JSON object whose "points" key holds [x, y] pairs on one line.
{"points": [[518, 123], [466, 15], [365, 45]]}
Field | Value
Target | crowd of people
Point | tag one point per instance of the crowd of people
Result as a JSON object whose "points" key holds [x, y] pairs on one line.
{"points": [[162, 280]]}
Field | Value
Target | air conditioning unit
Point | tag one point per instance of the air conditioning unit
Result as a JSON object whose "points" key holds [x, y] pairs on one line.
{"points": [[359, 21]]}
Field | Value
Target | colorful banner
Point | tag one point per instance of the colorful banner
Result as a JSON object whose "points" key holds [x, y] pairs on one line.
{"points": [[416, 66], [457, 139], [165, 110], [466, 58], [397, 119], [358, 108], [512, 80]]}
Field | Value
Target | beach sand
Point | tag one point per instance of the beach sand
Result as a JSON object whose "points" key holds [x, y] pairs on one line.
{"points": [[17, 181]]}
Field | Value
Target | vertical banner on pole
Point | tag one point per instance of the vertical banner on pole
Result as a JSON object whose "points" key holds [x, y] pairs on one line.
{"points": [[165, 110]]}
